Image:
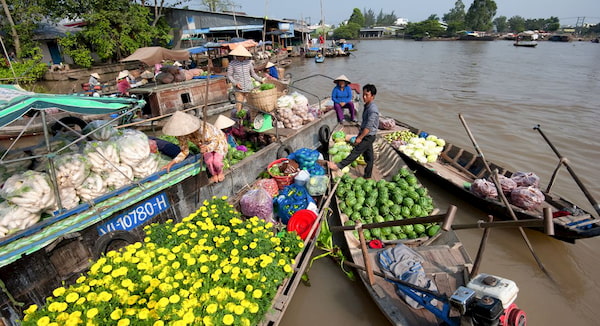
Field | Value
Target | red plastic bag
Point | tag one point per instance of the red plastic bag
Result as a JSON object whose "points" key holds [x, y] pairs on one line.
{"points": [[526, 179], [484, 189], [507, 184], [270, 185], [527, 198]]}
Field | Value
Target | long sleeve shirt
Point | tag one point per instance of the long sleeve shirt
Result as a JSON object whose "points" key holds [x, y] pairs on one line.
{"points": [[214, 140], [339, 95], [239, 72], [94, 82], [370, 118]]}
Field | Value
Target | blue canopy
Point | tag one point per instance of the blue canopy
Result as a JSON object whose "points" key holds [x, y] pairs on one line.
{"points": [[197, 49]]}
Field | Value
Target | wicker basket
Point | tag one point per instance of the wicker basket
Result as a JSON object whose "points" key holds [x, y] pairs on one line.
{"points": [[282, 87], [264, 100], [283, 180]]}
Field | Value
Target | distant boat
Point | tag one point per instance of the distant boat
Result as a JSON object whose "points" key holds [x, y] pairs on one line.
{"points": [[526, 39], [319, 58], [476, 36]]}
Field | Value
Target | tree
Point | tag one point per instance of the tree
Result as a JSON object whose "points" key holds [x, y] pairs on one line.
{"points": [[455, 18], [115, 29], [480, 14], [369, 18], [215, 5], [501, 24], [348, 31], [357, 17], [516, 24], [21, 20], [426, 28]]}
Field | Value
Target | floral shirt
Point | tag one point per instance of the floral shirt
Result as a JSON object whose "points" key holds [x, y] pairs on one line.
{"points": [[214, 139]]}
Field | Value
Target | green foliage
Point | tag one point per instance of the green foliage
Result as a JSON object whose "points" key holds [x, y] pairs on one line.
{"points": [[501, 24], [357, 18], [426, 28], [77, 51], [516, 24], [26, 70], [369, 16], [480, 14], [116, 29], [347, 31]]}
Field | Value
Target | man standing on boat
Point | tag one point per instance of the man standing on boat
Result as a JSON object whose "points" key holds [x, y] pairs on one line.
{"points": [[239, 73], [209, 138], [341, 95], [363, 144]]}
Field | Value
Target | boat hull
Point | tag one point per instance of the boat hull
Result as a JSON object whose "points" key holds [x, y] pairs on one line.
{"points": [[446, 173], [446, 261], [39, 259]]}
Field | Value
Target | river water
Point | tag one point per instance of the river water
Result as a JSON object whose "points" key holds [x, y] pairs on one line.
{"points": [[502, 92]]}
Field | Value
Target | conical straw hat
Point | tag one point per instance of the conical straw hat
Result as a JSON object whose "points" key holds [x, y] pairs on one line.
{"points": [[342, 77], [240, 51], [270, 64], [223, 122], [95, 75], [181, 124]]}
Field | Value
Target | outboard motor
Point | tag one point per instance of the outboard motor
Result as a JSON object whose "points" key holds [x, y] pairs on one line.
{"points": [[488, 300]]}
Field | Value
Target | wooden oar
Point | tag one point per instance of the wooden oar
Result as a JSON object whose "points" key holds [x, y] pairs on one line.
{"points": [[494, 176], [565, 162]]}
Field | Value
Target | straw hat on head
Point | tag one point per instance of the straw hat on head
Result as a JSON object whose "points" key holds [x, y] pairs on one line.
{"points": [[342, 78], [240, 51], [223, 122], [95, 75], [177, 64], [270, 64], [123, 74], [181, 124]]}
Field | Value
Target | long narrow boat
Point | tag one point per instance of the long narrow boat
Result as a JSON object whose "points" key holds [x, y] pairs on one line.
{"points": [[457, 168], [446, 264], [59, 247]]}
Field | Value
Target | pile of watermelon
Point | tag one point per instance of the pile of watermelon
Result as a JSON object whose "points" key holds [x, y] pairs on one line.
{"points": [[369, 201]]}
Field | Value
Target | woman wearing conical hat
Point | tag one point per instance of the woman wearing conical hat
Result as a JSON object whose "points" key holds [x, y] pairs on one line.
{"points": [[209, 138], [239, 73], [341, 95]]}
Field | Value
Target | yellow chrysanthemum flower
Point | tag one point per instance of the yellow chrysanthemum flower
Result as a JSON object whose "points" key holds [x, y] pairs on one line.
{"points": [[72, 297], [228, 319], [124, 322], [91, 313], [44, 321], [257, 294], [59, 291], [116, 314]]}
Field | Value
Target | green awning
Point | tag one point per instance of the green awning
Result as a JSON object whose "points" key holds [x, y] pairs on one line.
{"points": [[15, 102]]}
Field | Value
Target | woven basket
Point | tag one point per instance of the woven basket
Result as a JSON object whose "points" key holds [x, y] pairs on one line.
{"points": [[264, 100], [282, 88]]}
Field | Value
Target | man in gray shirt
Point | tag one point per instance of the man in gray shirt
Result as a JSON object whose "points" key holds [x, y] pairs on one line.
{"points": [[366, 135]]}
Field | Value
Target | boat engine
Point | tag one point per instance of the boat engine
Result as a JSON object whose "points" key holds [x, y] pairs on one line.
{"points": [[488, 300]]}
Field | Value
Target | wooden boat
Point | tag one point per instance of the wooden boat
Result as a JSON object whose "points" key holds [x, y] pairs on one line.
{"points": [[457, 168], [526, 39], [444, 260], [58, 248]]}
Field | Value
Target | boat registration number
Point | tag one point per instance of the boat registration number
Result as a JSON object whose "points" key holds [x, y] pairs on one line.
{"points": [[136, 215]]}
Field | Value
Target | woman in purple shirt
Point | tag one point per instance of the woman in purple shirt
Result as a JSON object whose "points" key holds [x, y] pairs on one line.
{"points": [[342, 98]]}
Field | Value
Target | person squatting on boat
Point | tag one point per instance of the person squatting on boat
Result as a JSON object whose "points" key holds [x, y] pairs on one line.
{"points": [[209, 138], [271, 71], [363, 144], [239, 73], [341, 95]]}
